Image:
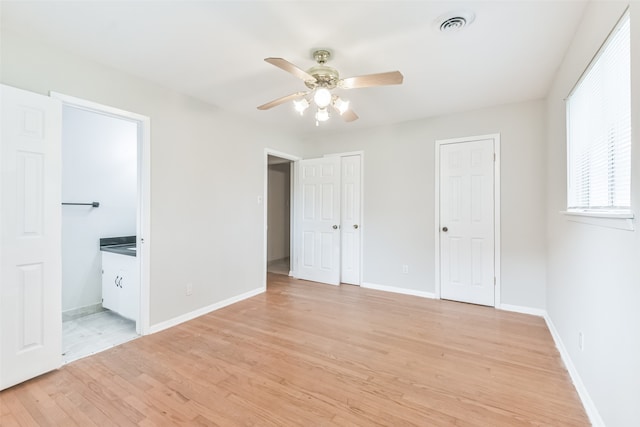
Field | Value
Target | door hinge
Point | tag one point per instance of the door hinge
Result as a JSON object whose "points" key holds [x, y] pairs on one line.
{"points": [[494, 281], [494, 157]]}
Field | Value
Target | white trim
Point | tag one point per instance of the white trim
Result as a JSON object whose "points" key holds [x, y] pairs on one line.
{"points": [[363, 228], [346, 153], [204, 310], [496, 210], [270, 152], [294, 219], [436, 217], [585, 398], [600, 214], [143, 217], [617, 220], [396, 290], [97, 108], [497, 219], [589, 406], [522, 309]]}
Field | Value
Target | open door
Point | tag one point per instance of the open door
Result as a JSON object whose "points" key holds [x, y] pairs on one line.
{"points": [[319, 220], [30, 268]]}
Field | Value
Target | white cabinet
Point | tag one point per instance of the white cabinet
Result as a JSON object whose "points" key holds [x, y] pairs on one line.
{"points": [[120, 284]]}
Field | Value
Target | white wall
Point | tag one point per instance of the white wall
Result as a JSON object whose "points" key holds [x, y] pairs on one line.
{"points": [[278, 214], [594, 272], [205, 228], [398, 211], [99, 155]]}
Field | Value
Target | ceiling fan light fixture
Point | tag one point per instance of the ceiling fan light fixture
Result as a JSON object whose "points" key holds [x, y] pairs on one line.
{"points": [[321, 79], [322, 97], [341, 105], [301, 105], [322, 115]]}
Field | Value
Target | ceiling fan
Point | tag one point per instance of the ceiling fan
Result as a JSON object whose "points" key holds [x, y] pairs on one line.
{"points": [[321, 79]]}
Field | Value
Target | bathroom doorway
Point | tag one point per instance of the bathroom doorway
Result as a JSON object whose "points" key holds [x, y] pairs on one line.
{"points": [[102, 219]]}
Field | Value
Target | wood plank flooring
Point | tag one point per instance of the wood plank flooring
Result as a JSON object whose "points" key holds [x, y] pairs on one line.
{"points": [[306, 354]]}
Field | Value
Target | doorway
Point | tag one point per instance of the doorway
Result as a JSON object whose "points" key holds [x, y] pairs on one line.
{"points": [[30, 290], [278, 200], [279, 215], [104, 189], [467, 219]]}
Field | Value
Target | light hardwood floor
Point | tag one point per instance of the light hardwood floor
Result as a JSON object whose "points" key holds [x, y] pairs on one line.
{"points": [[306, 354]]}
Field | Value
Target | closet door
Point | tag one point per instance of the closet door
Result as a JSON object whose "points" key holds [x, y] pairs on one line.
{"points": [[318, 219], [350, 220], [30, 269]]}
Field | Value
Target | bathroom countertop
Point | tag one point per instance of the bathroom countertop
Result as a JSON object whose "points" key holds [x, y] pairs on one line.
{"points": [[119, 245]]}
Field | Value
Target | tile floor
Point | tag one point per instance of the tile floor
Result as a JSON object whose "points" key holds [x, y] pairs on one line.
{"points": [[96, 332]]}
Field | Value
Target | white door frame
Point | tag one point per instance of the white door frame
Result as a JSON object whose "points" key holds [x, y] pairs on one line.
{"points": [[496, 210], [362, 226], [143, 220], [265, 199]]}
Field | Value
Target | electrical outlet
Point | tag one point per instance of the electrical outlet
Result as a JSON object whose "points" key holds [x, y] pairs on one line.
{"points": [[189, 289], [405, 269], [581, 341]]}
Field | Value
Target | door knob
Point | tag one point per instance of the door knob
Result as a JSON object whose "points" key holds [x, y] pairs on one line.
{"points": [[335, 227], [355, 226], [445, 229]]}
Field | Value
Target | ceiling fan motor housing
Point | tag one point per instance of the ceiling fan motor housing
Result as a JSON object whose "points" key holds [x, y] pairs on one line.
{"points": [[325, 76]]}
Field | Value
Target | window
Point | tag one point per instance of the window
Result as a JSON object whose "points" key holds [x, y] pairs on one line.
{"points": [[599, 130]]}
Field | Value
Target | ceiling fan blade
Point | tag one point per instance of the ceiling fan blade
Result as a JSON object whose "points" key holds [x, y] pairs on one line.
{"points": [[347, 116], [282, 100], [290, 68], [379, 79]]}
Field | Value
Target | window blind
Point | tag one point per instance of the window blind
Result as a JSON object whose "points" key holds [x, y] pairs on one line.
{"points": [[599, 129]]}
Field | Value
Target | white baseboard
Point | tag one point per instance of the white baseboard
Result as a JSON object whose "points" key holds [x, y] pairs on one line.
{"points": [[524, 310], [204, 310], [403, 291], [589, 406], [74, 313]]}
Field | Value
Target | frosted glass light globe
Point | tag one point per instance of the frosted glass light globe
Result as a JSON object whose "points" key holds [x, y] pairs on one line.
{"points": [[322, 97], [341, 105], [322, 115], [301, 105]]}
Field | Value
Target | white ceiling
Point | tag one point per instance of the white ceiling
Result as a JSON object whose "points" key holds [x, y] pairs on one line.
{"points": [[214, 50]]}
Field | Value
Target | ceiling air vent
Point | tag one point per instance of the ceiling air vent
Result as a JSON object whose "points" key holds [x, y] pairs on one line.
{"points": [[455, 21], [453, 24]]}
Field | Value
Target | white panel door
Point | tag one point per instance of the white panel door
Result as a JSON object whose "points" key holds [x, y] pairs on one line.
{"points": [[319, 220], [467, 222], [350, 221], [30, 268]]}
